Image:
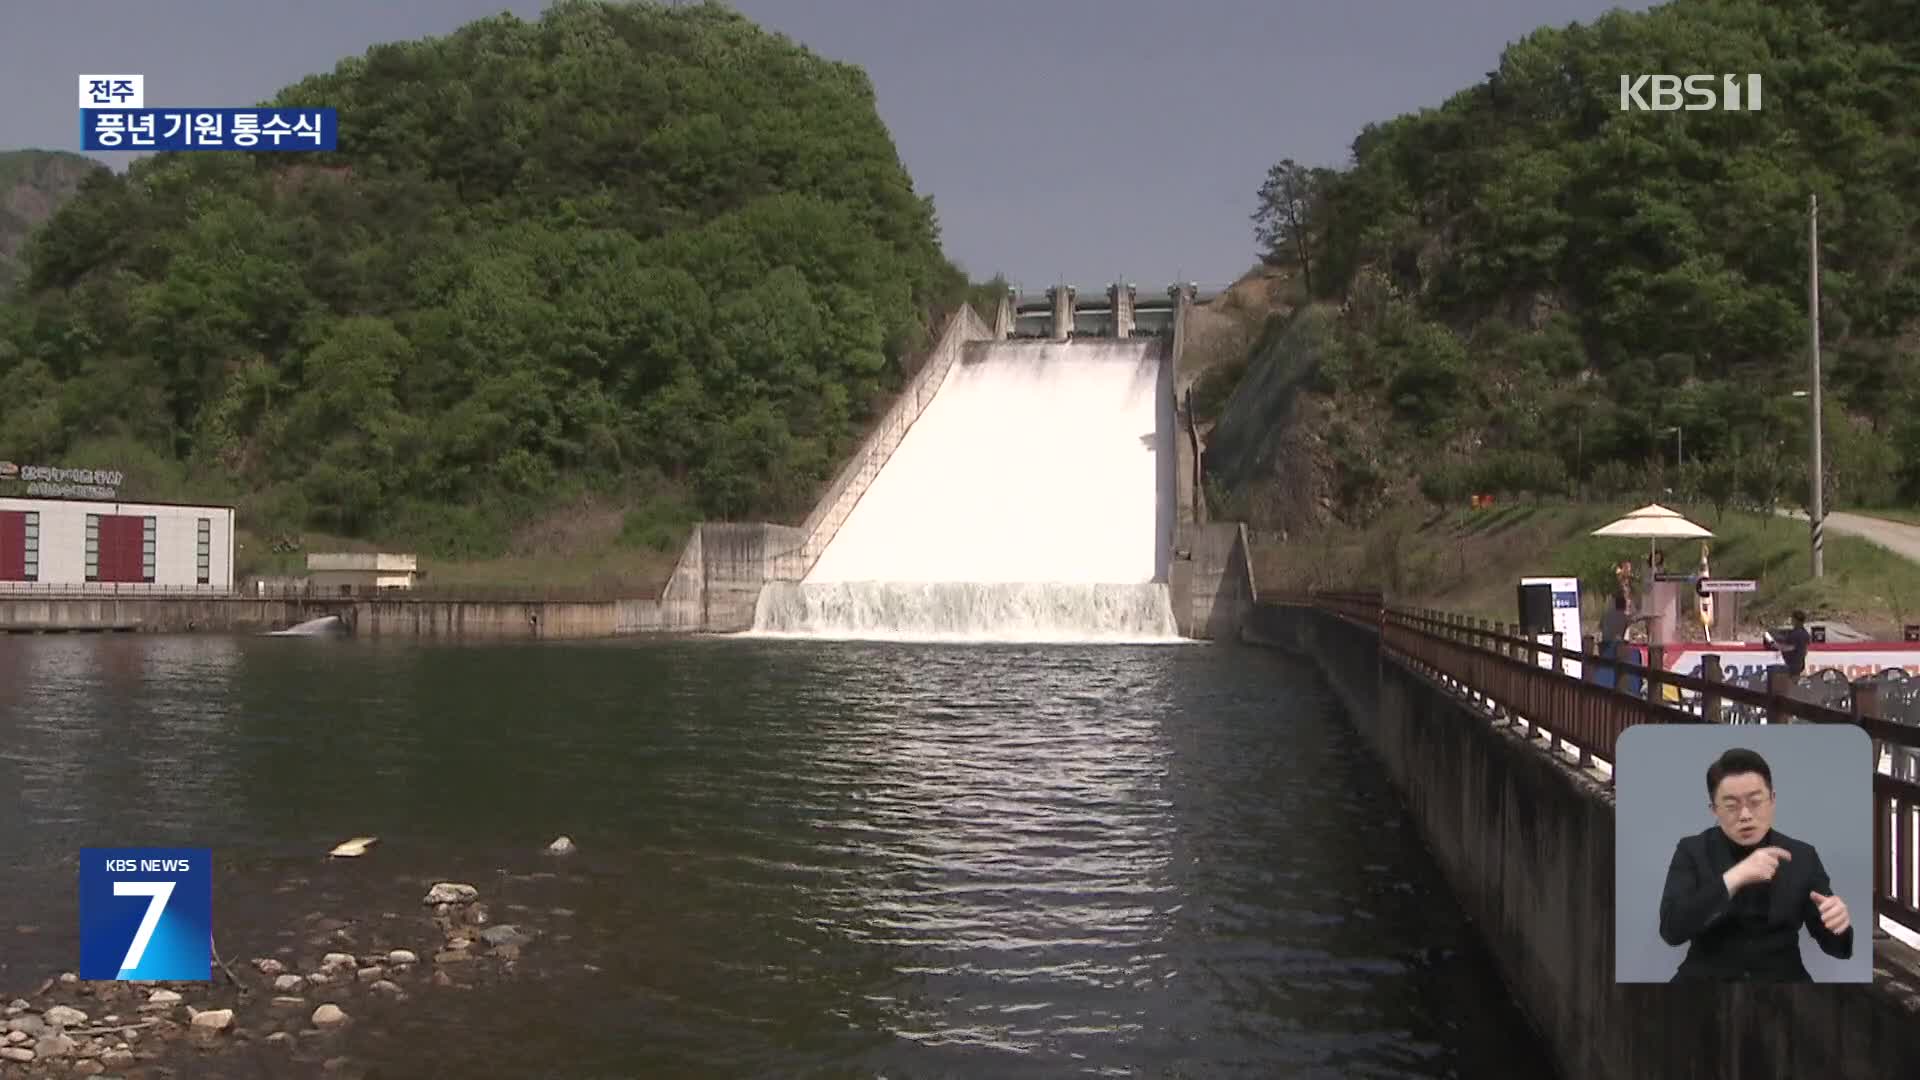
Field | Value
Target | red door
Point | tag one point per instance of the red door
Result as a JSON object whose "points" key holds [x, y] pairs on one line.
{"points": [[122, 548], [13, 545]]}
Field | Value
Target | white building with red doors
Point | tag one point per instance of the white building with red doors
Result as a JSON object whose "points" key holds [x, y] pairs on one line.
{"points": [[78, 545]]}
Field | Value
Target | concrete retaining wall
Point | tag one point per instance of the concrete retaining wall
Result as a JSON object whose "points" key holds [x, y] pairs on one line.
{"points": [[1527, 843], [1211, 581], [385, 617], [736, 560]]}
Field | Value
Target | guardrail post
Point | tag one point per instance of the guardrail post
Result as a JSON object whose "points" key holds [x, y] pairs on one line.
{"points": [[1863, 701], [1712, 674], [1559, 668], [1656, 666], [1590, 673], [1780, 687], [1502, 648]]}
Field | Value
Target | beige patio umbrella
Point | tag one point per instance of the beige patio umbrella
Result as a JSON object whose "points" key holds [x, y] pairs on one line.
{"points": [[1654, 523]]}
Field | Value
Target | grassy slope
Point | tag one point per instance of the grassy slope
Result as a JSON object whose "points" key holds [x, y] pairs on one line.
{"points": [[1469, 562]]}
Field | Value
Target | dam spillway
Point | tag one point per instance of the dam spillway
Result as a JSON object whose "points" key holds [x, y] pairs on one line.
{"points": [[1032, 500]]}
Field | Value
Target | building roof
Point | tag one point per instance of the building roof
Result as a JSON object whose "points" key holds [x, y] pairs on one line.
{"points": [[52, 500]]}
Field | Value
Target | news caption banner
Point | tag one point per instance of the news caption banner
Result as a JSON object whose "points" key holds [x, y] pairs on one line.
{"points": [[146, 914], [114, 116]]}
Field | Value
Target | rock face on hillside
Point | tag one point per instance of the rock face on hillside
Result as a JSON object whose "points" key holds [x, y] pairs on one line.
{"points": [[33, 184]]}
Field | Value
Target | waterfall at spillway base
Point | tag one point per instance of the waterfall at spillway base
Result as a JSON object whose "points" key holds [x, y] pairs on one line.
{"points": [[967, 611]]}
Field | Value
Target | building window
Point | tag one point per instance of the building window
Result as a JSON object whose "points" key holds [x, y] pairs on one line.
{"points": [[148, 527], [203, 554], [93, 547], [32, 567]]}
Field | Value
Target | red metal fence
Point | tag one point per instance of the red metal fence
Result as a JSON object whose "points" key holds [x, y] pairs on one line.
{"points": [[1517, 678]]}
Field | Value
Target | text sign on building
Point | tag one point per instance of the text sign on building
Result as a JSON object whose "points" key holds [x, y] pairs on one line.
{"points": [[56, 483], [1690, 93], [146, 914], [1728, 585]]}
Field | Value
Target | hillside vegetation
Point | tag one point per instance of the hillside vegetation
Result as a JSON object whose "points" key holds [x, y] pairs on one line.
{"points": [[1469, 561], [651, 261], [1527, 290], [33, 184]]}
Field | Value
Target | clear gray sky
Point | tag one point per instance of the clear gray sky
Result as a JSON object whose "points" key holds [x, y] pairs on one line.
{"points": [[1081, 140]]}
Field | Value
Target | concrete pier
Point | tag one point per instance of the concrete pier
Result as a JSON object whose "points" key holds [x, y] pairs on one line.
{"points": [[1062, 297]]}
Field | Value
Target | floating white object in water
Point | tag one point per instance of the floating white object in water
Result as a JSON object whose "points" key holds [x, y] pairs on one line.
{"points": [[354, 848], [562, 846]]}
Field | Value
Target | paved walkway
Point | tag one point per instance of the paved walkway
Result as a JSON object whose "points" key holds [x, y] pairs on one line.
{"points": [[1899, 538]]}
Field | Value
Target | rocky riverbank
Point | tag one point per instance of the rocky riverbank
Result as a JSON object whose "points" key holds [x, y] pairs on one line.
{"points": [[292, 1011]]}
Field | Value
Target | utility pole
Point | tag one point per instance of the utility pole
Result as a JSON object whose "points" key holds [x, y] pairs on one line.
{"points": [[1817, 515]]}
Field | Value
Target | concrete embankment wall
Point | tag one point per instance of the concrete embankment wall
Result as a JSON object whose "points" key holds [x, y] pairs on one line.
{"points": [[1211, 581], [383, 617], [1527, 843]]}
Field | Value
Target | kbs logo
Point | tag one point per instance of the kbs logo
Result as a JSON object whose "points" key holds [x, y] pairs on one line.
{"points": [[1693, 93], [146, 914]]}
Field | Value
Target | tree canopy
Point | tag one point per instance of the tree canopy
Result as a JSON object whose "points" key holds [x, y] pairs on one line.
{"points": [[1539, 287], [625, 245]]}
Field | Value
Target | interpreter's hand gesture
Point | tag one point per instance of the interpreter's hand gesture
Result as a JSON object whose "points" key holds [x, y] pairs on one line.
{"points": [[1756, 868], [1833, 913]]}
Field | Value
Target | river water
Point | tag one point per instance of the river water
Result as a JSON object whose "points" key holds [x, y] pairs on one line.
{"points": [[795, 858]]}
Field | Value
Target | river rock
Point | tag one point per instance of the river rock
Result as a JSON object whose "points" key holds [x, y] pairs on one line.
{"points": [[28, 1025], [279, 1037], [13, 1037], [117, 1058], [163, 999], [287, 984], [267, 965], [451, 892], [18, 1006], [16, 1053], [452, 956], [56, 1045], [441, 978], [337, 960], [402, 956], [562, 846], [64, 1016], [213, 1019], [386, 986], [86, 1067], [68, 978], [505, 935], [329, 1015], [286, 1002]]}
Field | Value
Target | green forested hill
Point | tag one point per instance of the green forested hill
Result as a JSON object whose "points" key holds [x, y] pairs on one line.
{"points": [[1526, 288], [33, 184], [651, 251]]}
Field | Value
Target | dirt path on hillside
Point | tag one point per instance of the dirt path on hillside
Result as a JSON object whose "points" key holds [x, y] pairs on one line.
{"points": [[1901, 539]]}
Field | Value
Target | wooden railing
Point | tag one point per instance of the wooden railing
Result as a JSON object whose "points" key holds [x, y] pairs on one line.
{"points": [[1516, 678]]}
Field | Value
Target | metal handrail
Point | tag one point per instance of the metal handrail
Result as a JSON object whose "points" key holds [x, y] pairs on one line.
{"points": [[1523, 680]]}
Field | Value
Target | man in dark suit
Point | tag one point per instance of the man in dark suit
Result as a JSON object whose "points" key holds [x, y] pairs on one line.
{"points": [[1738, 893]]}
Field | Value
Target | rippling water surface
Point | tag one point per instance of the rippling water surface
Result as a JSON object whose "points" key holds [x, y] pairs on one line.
{"points": [[797, 858]]}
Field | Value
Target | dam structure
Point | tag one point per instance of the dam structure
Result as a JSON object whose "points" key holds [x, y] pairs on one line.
{"points": [[1032, 500], [1037, 479]]}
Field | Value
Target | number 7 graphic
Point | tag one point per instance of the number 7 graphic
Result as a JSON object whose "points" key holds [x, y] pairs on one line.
{"points": [[159, 892]]}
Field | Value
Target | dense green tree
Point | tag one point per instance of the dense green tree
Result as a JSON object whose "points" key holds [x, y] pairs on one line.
{"points": [[1607, 276], [627, 246]]}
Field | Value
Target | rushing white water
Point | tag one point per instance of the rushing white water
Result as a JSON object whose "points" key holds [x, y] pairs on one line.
{"points": [[325, 624], [1031, 501]]}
